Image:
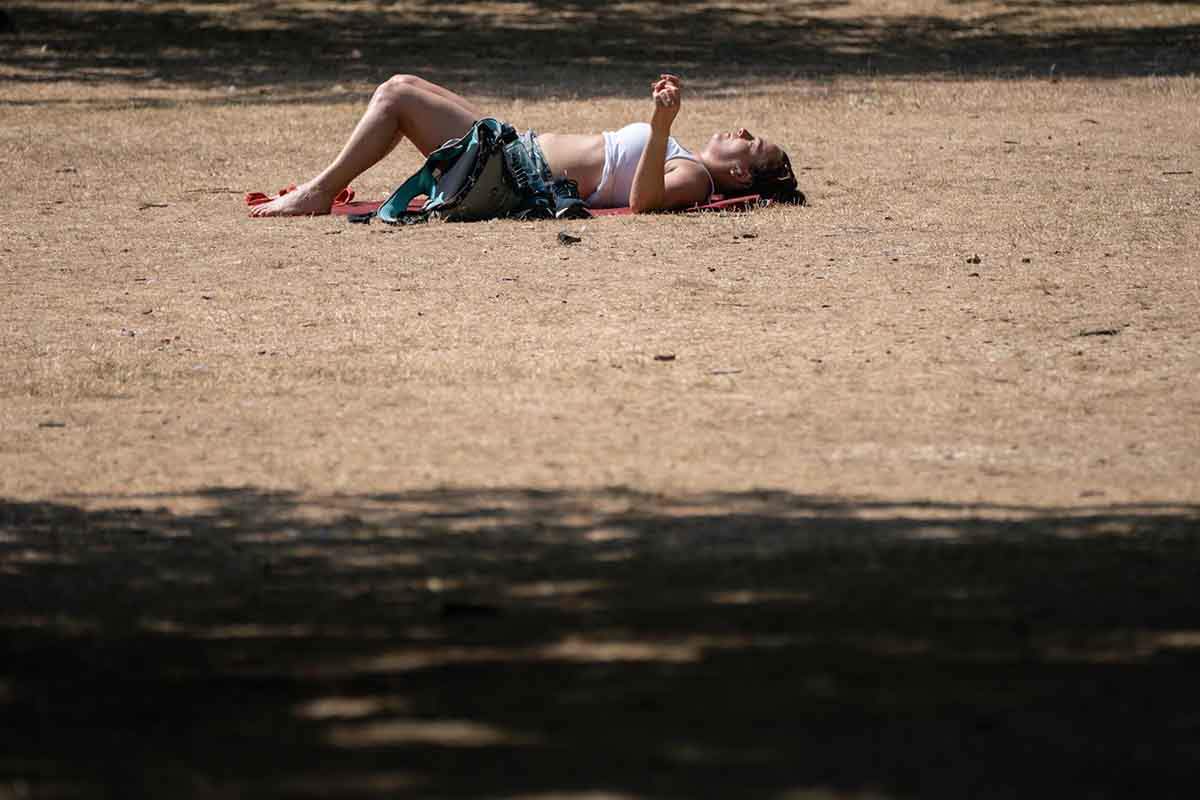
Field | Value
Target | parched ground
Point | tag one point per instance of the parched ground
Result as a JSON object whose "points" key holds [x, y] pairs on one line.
{"points": [[895, 495]]}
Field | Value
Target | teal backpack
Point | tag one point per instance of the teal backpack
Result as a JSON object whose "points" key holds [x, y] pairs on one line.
{"points": [[486, 174]]}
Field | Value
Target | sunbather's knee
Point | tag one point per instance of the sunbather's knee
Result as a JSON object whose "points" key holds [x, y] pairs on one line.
{"points": [[396, 89]]}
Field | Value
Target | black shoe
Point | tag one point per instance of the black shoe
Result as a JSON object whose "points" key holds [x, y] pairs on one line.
{"points": [[567, 203]]}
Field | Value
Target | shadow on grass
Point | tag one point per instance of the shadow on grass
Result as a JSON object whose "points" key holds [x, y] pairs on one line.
{"points": [[575, 48], [505, 642]]}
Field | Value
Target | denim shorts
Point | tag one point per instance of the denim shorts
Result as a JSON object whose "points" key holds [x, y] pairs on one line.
{"points": [[545, 196], [538, 168]]}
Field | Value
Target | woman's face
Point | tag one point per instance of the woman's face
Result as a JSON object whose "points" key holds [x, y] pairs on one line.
{"points": [[743, 151]]}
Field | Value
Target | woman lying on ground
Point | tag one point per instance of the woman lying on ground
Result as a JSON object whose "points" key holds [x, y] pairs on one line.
{"points": [[640, 165]]}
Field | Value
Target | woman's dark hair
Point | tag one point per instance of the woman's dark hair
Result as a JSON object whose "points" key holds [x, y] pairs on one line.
{"points": [[777, 183]]}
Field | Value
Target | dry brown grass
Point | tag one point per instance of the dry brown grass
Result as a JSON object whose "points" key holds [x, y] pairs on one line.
{"points": [[848, 348]]}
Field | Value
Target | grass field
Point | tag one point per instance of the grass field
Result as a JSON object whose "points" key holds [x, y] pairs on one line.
{"points": [[894, 495]]}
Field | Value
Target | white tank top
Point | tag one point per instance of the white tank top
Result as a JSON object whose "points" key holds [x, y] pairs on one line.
{"points": [[622, 152]]}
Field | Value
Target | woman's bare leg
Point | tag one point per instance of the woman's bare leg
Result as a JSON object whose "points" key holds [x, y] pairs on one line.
{"points": [[405, 105], [422, 84], [441, 91]]}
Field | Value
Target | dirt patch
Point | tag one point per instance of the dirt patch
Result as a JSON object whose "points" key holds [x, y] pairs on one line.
{"points": [[920, 331]]}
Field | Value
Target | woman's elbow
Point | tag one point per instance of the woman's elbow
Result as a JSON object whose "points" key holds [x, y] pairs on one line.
{"points": [[643, 205]]}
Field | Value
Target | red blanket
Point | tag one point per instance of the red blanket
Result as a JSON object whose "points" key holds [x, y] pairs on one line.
{"points": [[345, 203]]}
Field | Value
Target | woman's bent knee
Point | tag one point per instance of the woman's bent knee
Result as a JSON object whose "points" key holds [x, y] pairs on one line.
{"points": [[396, 88], [404, 80]]}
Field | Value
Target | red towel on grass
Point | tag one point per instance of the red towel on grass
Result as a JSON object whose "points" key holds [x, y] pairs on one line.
{"points": [[345, 204], [745, 203], [716, 203]]}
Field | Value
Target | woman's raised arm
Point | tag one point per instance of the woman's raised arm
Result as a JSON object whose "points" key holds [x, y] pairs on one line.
{"points": [[655, 187]]}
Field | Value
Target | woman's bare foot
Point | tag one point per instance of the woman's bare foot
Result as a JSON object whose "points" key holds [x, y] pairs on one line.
{"points": [[308, 200]]}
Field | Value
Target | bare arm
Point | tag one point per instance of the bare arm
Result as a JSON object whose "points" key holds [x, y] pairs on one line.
{"points": [[656, 185]]}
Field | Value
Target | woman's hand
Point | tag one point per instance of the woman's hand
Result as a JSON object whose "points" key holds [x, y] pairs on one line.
{"points": [[657, 184], [668, 96]]}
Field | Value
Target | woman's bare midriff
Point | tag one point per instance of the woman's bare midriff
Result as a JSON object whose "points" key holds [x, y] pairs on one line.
{"points": [[578, 156]]}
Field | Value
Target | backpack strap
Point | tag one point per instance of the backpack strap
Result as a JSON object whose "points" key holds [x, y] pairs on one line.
{"points": [[395, 208], [424, 181]]}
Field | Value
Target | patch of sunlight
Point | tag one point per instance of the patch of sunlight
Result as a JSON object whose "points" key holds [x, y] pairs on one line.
{"points": [[268, 537], [435, 584], [609, 534], [470, 524], [336, 707], [1119, 647], [542, 589], [572, 648], [747, 597], [170, 627], [439, 732], [29, 556], [578, 649], [368, 560], [411, 660], [576, 519], [1176, 640], [256, 632], [60, 624], [324, 785]]}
